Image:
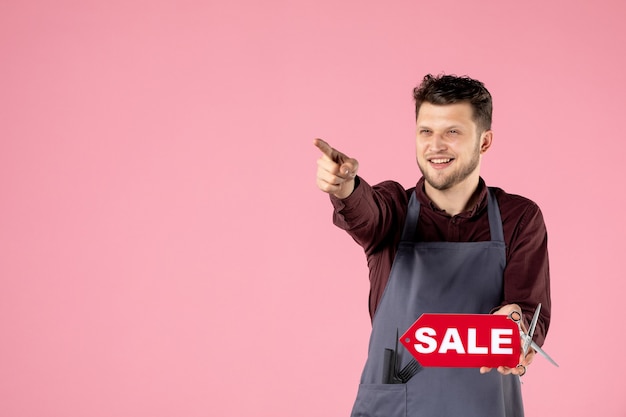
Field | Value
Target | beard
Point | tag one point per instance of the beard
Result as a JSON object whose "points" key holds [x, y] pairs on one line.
{"points": [[445, 182]]}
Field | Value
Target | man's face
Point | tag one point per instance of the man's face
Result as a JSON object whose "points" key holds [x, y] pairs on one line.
{"points": [[449, 145]]}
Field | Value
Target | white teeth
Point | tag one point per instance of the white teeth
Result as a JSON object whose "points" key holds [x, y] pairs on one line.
{"points": [[440, 161]]}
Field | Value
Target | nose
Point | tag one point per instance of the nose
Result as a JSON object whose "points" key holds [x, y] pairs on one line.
{"points": [[437, 142]]}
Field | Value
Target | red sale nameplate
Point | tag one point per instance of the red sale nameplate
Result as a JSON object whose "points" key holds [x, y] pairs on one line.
{"points": [[463, 340]]}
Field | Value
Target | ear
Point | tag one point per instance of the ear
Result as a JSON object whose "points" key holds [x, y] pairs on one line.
{"points": [[485, 140]]}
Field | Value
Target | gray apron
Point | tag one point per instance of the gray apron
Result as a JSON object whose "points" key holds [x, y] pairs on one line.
{"points": [[438, 277]]}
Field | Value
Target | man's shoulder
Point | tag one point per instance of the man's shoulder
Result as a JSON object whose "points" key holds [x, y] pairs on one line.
{"points": [[513, 199], [515, 207]]}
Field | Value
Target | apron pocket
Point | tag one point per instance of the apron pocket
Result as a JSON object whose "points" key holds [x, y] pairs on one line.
{"points": [[380, 400]]}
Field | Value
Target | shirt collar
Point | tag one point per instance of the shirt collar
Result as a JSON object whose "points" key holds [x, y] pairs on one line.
{"points": [[479, 197]]}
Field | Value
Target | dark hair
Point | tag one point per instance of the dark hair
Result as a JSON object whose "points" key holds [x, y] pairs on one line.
{"points": [[450, 89]]}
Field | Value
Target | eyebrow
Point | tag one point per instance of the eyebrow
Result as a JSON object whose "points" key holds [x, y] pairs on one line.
{"points": [[422, 126]]}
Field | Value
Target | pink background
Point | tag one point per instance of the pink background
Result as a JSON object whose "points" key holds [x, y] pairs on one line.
{"points": [[164, 250]]}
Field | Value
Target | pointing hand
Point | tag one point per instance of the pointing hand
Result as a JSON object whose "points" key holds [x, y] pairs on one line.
{"points": [[335, 171]]}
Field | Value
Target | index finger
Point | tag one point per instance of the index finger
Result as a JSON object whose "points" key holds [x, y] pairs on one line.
{"points": [[324, 147]]}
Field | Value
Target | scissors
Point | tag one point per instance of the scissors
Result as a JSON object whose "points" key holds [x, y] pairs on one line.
{"points": [[527, 338]]}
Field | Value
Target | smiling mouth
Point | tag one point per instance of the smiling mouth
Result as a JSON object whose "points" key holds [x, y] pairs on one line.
{"points": [[440, 160]]}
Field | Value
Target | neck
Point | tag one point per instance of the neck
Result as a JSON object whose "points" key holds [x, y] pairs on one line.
{"points": [[456, 199]]}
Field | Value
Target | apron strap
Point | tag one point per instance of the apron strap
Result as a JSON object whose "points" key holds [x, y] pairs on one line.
{"points": [[495, 221], [410, 224], [493, 213]]}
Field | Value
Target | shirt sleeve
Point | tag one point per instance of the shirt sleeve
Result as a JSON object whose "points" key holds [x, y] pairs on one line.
{"points": [[527, 276], [371, 215]]}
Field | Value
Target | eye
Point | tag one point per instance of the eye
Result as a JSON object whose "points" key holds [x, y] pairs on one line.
{"points": [[425, 131]]}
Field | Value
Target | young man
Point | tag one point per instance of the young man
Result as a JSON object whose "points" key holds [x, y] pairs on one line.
{"points": [[456, 246]]}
